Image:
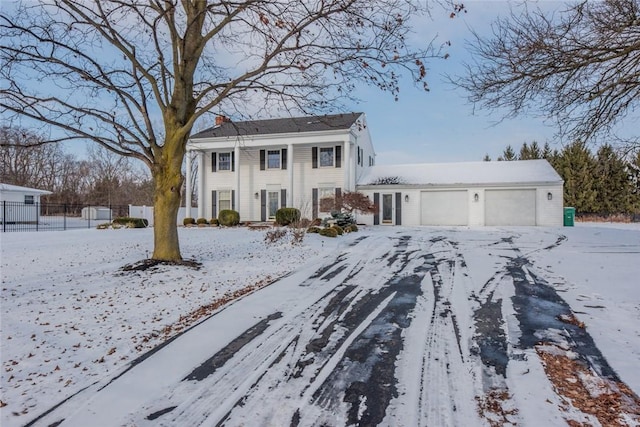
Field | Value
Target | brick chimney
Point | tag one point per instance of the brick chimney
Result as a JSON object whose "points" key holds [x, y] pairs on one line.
{"points": [[221, 119]]}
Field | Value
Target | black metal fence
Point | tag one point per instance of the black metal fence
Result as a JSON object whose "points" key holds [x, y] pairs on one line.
{"points": [[18, 216]]}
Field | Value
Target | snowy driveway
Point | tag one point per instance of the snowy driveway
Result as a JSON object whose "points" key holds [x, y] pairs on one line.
{"points": [[414, 327]]}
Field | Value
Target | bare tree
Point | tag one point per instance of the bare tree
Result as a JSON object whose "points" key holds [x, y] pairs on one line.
{"points": [[579, 65], [25, 161], [134, 76]]}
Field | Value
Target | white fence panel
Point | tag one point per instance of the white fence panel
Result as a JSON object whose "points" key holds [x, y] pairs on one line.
{"points": [[147, 212]]}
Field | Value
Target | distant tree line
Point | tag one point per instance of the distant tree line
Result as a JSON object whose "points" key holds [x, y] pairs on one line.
{"points": [[605, 183], [102, 179]]}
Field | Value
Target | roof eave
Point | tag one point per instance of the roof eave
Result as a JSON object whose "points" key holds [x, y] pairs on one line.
{"points": [[458, 185], [263, 139]]}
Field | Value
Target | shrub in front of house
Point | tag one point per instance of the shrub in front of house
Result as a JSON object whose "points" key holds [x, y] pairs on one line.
{"points": [[328, 232], [313, 229], [130, 222], [214, 222], [339, 229], [202, 221], [274, 236], [303, 223], [228, 218], [342, 218], [188, 221], [351, 228], [286, 216], [103, 226]]}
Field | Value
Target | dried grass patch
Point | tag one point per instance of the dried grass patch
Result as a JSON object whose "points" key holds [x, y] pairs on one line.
{"points": [[611, 402], [492, 407], [188, 320]]}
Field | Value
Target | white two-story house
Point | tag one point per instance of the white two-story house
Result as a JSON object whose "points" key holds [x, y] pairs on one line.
{"points": [[256, 167]]}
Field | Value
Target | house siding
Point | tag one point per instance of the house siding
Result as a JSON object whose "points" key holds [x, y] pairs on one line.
{"points": [[306, 178], [548, 212], [253, 179]]}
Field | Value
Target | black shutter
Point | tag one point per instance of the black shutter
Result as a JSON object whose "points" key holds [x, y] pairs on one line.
{"points": [[263, 205], [398, 208], [338, 193], [314, 157], [283, 158], [233, 161], [338, 156], [262, 157], [214, 162], [283, 198], [314, 209], [214, 204], [233, 200], [376, 201], [359, 156]]}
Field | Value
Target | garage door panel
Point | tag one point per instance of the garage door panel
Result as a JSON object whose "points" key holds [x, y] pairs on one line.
{"points": [[510, 207], [444, 207]]}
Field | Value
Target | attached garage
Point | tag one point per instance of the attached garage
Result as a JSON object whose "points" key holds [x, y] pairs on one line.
{"points": [[510, 207], [444, 207], [517, 193]]}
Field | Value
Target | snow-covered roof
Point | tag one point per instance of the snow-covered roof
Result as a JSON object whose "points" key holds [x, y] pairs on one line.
{"points": [[464, 173], [19, 189]]}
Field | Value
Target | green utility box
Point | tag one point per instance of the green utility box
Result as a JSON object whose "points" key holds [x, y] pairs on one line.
{"points": [[569, 216]]}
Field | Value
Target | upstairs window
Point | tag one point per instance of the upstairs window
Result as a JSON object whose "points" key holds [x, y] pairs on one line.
{"points": [[326, 157], [273, 159], [224, 161]]}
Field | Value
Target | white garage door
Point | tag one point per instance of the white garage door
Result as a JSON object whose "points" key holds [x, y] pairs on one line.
{"points": [[445, 207], [510, 207]]}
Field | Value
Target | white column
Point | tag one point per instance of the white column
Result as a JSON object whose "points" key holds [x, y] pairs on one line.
{"points": [[237, 171], [290, 175], [347, 166], [201, 173], [187, 196]]}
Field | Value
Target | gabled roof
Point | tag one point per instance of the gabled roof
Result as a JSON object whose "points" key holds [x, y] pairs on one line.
{"points": [[465, 173], [19, 189], [278, 126]]}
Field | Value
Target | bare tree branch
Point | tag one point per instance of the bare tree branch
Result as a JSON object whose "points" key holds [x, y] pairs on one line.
{"points": [[135, 75], [579, 66]]}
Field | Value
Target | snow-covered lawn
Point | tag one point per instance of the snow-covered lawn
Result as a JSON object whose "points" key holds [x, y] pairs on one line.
{"points": [[71, 318]]}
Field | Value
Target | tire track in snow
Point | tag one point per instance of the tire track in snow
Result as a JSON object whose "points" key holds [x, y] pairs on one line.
{"points": [[442, 354], [340, 343], [278, 356]]}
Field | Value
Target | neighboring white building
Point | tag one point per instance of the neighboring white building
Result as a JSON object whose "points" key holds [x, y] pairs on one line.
{"points": [[256, 167], [97, 213], [527, 192], [20, 204]]}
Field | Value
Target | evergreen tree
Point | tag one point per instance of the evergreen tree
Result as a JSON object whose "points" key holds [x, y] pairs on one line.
{"points": [[612, 182], [486, 158], [530, 152], [508, 155], [576, 165], [552, 156], [634, 172]]}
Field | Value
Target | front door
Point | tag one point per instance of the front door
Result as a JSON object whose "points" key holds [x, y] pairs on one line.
{"points": [[387, 208], [273, 202]]}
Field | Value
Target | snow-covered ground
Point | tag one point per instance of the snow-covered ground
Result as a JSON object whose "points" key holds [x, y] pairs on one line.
{"points": [[390, 326]]}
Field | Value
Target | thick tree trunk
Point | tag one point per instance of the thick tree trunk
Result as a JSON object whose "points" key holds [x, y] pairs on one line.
{"points": [[168, 179]]}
